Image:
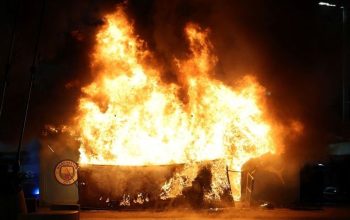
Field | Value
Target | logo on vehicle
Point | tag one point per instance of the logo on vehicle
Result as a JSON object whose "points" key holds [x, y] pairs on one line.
{"points": [[66, 172]]}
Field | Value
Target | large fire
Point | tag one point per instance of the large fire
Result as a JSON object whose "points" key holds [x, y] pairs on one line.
{"points": [[129, 116]]}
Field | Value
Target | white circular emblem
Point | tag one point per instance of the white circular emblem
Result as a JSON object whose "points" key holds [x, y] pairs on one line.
{"points": [[66, 172]]}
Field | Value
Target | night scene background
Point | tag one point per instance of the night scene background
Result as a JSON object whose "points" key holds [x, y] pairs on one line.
{"points": [[298, 50]]}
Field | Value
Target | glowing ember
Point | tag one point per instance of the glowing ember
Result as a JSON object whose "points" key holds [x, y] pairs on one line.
{"points": [[128, 116]]}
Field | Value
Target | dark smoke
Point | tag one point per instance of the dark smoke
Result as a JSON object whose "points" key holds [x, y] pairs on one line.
{"points": [[293, 47], [63, 65]]}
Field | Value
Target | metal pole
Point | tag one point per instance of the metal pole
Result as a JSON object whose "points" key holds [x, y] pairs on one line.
{"points": [[229, 182], [31, 80], [9, 58], [344, 78]]}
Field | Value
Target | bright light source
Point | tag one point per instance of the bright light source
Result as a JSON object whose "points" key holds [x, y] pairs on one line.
{"points": [[36, 191], [327, 4], [320, 164]]}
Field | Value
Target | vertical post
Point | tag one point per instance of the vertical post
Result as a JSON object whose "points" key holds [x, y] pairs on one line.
{"points": [[229, 182], [246, 188], [9, 58], [345, 112], [249, 187], [31, 81]]}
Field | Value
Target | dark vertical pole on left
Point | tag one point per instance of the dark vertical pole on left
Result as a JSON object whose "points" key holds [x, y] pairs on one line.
{"points": [[9, 57], [31, 81], [344, 66]]}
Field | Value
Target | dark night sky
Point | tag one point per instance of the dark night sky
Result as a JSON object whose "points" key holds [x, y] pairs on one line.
{"points": [[293, 47]]}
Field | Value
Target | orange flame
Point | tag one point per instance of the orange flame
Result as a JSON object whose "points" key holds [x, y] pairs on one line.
{"points": [[129, 116]]}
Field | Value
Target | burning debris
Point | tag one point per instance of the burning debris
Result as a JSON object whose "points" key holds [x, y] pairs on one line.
{"points": [[125, 200], [135, 187], [141, 198]]}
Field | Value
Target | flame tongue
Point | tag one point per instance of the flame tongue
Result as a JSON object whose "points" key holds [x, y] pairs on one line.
{"points": [[128, 116]]}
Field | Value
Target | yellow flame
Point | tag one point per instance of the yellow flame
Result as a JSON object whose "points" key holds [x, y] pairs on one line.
{"points": [[129, 116]]}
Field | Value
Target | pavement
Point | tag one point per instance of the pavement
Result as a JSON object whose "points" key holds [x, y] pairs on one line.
{"points": [[231, 213]]}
